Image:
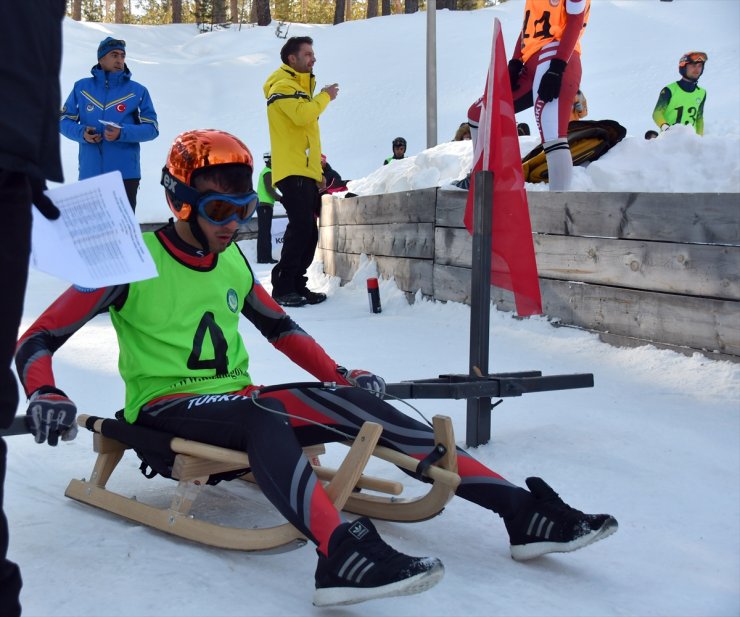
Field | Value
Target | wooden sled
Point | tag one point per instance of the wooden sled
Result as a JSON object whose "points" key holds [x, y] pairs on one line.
{"points": [[443, 474], [195, 462]]}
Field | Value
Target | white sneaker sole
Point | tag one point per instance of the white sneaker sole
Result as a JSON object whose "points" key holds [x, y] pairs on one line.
{"points": [[338, 596], [524, 552]]}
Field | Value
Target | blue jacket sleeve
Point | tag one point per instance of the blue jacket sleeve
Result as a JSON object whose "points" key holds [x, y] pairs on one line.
{"points": [[148, 128], [69, 120]]}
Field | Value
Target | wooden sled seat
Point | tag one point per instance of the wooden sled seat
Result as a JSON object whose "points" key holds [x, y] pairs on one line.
{"points": [[196, 462]]}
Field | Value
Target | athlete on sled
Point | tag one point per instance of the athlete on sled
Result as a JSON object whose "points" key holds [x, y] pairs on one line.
{"points": [[185, 368]]}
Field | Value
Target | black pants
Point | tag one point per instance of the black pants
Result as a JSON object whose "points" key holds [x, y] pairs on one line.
{"points": [[302, 205], [132, 187], [264, 233], [15, 248], [273, 443]]}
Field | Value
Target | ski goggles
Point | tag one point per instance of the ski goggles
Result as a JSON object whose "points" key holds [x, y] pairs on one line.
{"points": [[221, 208], [694, 57], [214, 207]]}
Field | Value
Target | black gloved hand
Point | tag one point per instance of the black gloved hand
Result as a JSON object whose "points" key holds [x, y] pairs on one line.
{"points": [[51, 415], [364, 379], [552, 80], [515, 70], [41, 201]]}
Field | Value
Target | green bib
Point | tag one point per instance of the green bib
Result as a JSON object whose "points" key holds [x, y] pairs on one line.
{"points": [[178, 332], [683, 108], [262, 194]]}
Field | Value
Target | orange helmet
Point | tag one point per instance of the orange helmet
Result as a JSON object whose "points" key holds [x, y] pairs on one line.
{"points": [[691, 57], [193, 150]]}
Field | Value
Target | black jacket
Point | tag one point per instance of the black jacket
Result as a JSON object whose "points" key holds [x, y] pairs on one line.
{"points": [[31, 52], [333, 179]]}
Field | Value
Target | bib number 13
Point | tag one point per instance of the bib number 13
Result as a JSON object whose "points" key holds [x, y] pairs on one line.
{"points": [[220, 360]]}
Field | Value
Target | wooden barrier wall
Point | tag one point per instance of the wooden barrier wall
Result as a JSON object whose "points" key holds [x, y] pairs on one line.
{"points": [[662, 268]]}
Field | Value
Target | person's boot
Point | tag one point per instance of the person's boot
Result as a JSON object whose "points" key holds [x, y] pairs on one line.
{"points": [[361, 566], [313, 297], [549, 525], [290, 299]]}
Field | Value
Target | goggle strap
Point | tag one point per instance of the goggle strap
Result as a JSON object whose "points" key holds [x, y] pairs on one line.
{"points": [[179, 190]]}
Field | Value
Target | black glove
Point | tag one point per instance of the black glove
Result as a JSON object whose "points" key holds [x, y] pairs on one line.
{"points": [[515, 70], [51, 415], [364, 379], [41, 201], [550, 84]]}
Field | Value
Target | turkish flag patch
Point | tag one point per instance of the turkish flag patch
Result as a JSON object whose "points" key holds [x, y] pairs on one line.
{"points": [[120, 107]]}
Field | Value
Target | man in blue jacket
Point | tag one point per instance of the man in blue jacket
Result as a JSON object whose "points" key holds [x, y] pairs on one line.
{"points": [[110, 114]]}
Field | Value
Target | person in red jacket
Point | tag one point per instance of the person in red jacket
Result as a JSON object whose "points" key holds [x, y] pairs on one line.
{"points": [[545, 71]]}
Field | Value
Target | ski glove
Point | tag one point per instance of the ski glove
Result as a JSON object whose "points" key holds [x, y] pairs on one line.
{"points": [[515, 70], [551, 81], [41, 201], [364, 379], [51, 415]]}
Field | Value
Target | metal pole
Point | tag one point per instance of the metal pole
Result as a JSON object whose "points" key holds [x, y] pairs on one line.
{"points": [[478, 426], [431, 73], [17, 427]]}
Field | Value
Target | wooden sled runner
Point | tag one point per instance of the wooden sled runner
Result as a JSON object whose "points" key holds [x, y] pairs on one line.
{"points": [[346, 486]]}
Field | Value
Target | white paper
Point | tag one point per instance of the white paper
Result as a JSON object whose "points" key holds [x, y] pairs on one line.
{"points": [[96, 241]]}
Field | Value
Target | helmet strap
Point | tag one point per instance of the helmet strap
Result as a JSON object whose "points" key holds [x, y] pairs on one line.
{"points": [[197, 232]]}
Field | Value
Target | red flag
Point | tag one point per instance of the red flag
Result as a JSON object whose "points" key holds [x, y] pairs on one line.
{"points": [[513, 264]]}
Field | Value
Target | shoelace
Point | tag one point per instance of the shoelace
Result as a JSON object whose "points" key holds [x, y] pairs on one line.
{"points": [[552, 502], [376, 550]]}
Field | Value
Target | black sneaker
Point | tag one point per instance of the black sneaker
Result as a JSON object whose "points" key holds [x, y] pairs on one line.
{"points": [[361, 567], [313, 297], [550, 525], [269, 261], [291, 299]]}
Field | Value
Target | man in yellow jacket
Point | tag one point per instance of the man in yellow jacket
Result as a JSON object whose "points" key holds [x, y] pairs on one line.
{"points": [[293, 115]]}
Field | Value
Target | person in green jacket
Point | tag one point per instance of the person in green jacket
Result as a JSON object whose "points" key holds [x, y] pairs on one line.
{"points": [[399, 150], [682, 102], [267, 196]]}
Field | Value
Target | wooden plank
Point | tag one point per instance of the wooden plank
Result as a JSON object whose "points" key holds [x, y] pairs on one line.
{"points": [[452, 283], [412, 240], [345, 480], [691, 269], [445, 478], [410, 275], [453, 247], [450, 207], [370, 483], [631, 342], [181, 525], [700, 323], [404, 207], [704, 218], [188, 467]]}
